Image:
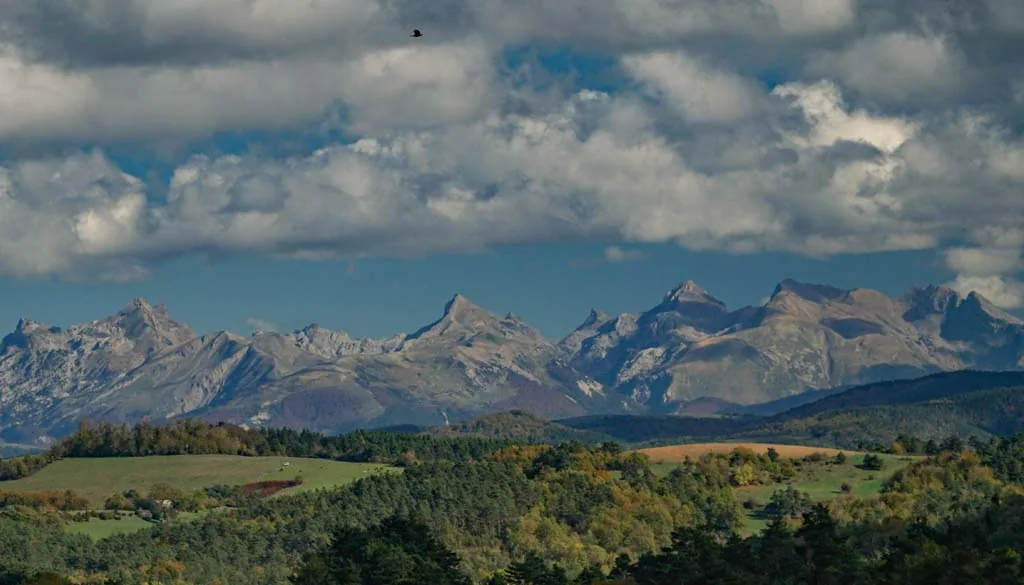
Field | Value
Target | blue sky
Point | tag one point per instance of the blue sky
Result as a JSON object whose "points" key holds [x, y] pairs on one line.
{"points": [[849, 143]]}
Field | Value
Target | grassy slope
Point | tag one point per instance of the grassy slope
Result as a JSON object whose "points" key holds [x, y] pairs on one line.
{"points": [[103, 528], [96, 479], [821, 481]]}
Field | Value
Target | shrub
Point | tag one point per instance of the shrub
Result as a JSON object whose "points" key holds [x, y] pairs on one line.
{"points": [[872, 462]]}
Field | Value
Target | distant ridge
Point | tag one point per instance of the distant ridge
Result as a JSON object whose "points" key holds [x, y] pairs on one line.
{"points": [[965, 403], [689, 354]]}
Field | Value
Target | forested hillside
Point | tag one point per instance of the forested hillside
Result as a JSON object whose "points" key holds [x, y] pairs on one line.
{"points": [[967, 403], [539, 514]]}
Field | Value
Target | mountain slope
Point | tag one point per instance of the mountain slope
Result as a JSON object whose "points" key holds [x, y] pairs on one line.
{"points": [[934, 406], [687, 354], [983, 404], [805, 336], [140, 363], [935, 387]]}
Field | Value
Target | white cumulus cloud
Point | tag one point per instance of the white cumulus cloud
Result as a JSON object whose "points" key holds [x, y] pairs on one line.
{"points": [[620, 254], [816, 127]]}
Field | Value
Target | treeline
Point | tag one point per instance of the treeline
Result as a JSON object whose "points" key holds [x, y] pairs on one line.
{"points": [[570, 513], [62, 501], [978, 549], [193, 437], [906, 444], [562, 501], [1003, 454], [961, 412], [519, 426], [981, 548]]}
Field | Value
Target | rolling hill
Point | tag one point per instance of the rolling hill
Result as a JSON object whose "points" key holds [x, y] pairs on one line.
{"points": [[519, 426], [952, 385], [963, 403], [97, 478], [983, 412]]}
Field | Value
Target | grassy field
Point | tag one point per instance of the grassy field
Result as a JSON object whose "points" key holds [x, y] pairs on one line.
{"points": [[128, 522], [96, 479], [821, 481], [103, 528], [824, 482]]}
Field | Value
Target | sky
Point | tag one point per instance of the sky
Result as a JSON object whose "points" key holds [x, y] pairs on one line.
{"points": [[267, 164]]}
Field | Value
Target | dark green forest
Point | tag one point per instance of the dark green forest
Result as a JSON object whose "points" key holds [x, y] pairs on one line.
{"points": [[965, 403], [470, 510]]}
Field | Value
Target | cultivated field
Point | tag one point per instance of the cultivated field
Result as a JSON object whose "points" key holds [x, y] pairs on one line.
{"points": [[677, 453], [98, 478]]}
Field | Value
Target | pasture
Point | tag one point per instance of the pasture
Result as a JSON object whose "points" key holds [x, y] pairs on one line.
{"points": [[97, 478], [822, 480]]}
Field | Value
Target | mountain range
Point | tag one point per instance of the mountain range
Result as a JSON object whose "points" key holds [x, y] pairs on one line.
{"points": [[687, 353], [983, 404]]}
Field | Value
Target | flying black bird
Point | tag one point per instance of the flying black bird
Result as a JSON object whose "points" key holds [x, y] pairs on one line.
{"points": [[416, 33]]}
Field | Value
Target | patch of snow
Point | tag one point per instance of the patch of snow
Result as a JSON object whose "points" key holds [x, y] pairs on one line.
{"points": [[643, 362], [589, 387]]}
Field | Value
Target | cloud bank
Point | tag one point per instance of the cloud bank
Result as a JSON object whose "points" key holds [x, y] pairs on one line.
{"points": [[817, 127]]}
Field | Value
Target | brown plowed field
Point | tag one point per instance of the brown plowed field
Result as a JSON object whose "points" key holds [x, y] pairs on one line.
{"points": [[676, 453]]}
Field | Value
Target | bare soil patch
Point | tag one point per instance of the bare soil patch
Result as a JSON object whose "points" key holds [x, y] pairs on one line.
{"points": [[677, 453]]}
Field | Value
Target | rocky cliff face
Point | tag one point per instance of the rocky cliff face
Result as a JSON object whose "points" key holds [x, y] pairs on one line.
{"points": [[806, 336], [141, 363]]}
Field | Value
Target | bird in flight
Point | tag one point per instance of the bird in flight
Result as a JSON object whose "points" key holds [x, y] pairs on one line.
{"points": [[416, 33]]}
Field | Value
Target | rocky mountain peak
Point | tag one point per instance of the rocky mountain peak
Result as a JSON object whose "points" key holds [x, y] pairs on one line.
{"points": [[595, 317], [990, 308], [140, 309], [460, 317], [26, 325], [687, 347], [941, 300], [986, 310], [589, 328], [319, 340], [929, 300], [462, 320], [318, 331], [816, 293], [687, 305], [138, 303], [150, 327], [690, 291], [457, 305], [25, 332]]}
